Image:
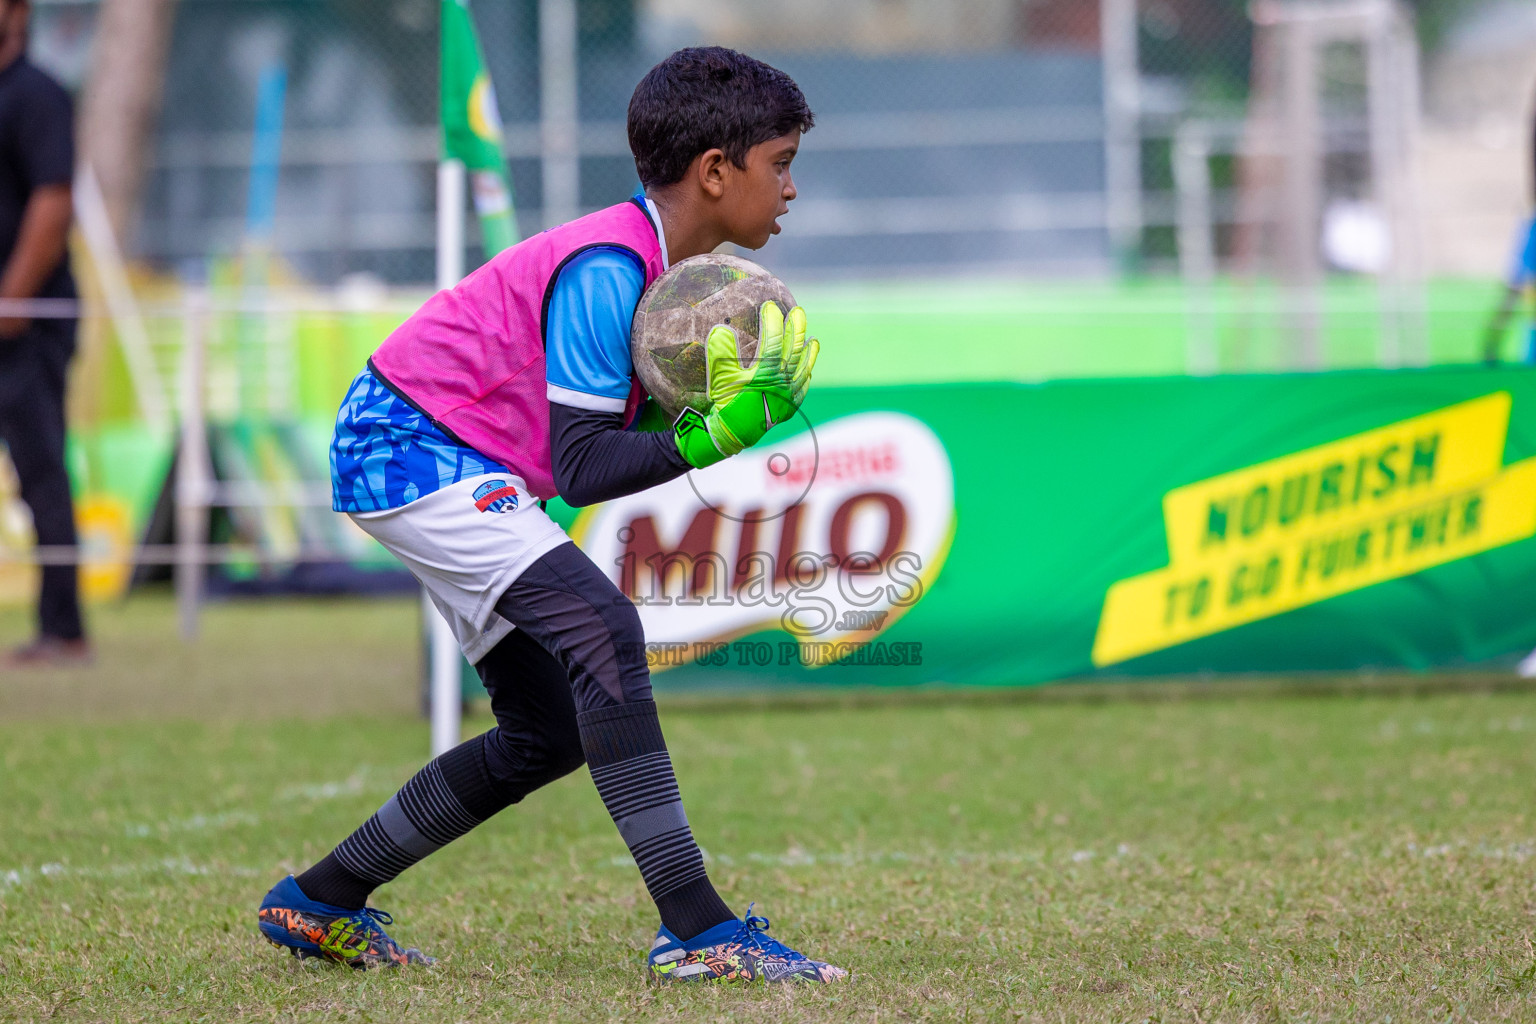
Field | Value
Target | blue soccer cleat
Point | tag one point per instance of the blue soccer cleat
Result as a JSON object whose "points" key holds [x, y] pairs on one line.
{"points": [[733, 951], [308, 929]]}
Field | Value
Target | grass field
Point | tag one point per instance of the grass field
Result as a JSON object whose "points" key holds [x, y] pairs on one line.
{"points": [[1260, 857]]}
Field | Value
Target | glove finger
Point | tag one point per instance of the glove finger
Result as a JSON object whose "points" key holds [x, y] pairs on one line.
{"points": [[770, 338], [802, 379], [794, 341], [724, 375], [807, 363]]}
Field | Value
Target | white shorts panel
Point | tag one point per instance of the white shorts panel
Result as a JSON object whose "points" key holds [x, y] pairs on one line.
{"points": [[466, 557]]}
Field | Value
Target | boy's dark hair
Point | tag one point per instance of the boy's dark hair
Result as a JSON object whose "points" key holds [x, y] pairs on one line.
{"points": [[709, 97]]}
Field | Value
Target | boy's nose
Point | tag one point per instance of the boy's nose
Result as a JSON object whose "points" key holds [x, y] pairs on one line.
{"points": [[789, 189]]}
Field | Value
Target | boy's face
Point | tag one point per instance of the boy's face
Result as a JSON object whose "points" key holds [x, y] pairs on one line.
{"points": [[758, 195]]}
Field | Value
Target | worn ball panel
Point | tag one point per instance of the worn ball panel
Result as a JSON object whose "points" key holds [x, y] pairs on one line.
{"points": [[676, 313]]}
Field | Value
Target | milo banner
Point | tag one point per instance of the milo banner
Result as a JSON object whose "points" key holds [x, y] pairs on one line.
{"points": [[995, 534]]}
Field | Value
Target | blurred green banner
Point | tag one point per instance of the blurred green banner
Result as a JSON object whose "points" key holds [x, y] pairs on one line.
{"points": [[1000, 534]]}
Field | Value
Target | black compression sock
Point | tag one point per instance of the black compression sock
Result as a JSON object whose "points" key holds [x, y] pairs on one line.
{"points": [[444, 800], [692, 908], [330, 882], [633, 774]]}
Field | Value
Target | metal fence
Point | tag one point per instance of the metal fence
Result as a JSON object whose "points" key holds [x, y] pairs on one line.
{"points": [[1013, 137], [953, 134], [227, 473]]}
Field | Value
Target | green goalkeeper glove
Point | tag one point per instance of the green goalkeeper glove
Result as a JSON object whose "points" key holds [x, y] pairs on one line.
{"points": [[747, 401]]}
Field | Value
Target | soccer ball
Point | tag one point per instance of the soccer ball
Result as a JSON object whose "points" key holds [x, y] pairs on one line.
{"points": [[676, 313]]}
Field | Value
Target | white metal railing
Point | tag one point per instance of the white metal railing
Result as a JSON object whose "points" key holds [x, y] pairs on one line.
{"points": [[195, 489]]}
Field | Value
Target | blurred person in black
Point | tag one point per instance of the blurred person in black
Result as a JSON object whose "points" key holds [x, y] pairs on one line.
{"points": [[36, 167], [1519, 284]]}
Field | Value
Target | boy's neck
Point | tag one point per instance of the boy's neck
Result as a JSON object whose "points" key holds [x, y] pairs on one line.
{"points": [[689, 229]]}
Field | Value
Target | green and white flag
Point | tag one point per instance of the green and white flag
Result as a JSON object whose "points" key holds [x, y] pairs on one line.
{"points": [[472, 126]]}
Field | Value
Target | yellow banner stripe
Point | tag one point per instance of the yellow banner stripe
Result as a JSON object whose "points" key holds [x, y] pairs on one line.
{"points": [[1296, 530]]}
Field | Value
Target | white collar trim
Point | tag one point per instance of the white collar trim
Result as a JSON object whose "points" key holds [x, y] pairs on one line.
{"points": [[661, 234]]}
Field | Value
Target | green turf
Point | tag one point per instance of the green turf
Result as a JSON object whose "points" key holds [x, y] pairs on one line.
{"points": [[1262, 858], [250, 660]]}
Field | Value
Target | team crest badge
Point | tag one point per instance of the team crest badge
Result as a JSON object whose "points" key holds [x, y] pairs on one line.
{"points": [[496, 496]]}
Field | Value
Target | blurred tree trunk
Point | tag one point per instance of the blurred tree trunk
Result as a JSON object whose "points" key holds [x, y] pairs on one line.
{"points": [[122, 102]]}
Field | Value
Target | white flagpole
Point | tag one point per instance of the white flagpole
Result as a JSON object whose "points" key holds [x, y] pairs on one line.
{"points": [[1122, 127], [443, 659]]}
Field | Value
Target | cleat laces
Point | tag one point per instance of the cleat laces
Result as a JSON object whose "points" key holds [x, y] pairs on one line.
{"points": [[754, 933], [364, 927], [380, 916]]}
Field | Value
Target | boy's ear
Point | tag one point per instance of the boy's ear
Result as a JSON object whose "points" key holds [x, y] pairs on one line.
{"points": [[712, 171]]}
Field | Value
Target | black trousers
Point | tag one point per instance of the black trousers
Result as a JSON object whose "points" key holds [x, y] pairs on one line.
{"points": [[32, 375], [578, 647]]}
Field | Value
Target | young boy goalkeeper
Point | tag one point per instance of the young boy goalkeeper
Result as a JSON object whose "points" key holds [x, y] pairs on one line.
{"points": [[517, 386]]}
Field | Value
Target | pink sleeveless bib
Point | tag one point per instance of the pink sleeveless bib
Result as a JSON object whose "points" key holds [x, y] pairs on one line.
{"points": [[472, 358]]}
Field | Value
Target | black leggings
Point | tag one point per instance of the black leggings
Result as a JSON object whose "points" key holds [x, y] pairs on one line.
{"points": [[568, 686], [578, 646]]}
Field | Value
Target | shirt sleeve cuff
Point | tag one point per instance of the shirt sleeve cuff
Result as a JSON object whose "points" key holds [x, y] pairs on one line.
{"points": [[582, 400]]}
